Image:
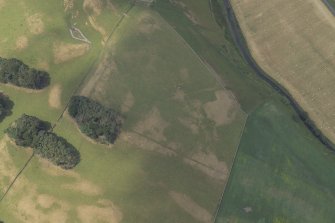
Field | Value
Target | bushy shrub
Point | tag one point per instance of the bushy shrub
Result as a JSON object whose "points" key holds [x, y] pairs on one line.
{"points": [[29, 131], [95, 120], [6, 106], [15, 72]]}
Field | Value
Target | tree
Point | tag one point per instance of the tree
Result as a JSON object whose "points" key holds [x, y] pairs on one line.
{"points": [[29, 131], [6, 106], [15, 72], [95, 120]]}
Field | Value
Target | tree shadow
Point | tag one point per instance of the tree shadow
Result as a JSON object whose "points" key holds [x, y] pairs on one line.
{"points": [[6, 106]]}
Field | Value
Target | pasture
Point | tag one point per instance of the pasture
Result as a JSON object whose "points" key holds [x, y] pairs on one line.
{"points": [[282, 172], [293, 42], [185, 96], [173, 157]]}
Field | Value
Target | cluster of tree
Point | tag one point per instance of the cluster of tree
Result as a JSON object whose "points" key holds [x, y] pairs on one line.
{"points": [[95, 120], [29, 131], [15, 72], [6, 106]]}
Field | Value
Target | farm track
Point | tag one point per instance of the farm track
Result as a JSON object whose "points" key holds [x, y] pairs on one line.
{"points": [[16, 177], [240, 42], [94, 65], [96, 62], [230, 171]]}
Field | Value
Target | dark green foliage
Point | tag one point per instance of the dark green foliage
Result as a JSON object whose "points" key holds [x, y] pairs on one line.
{"points": [[15, 72], [96, 121], [57, 149], [25, 129], [30, 131], [6, 106]]}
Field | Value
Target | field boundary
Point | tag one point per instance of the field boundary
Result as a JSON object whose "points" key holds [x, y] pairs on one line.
{"points": [[329, 6], [230, 170], [94, 63], [175, 151], [16, 177], [241, 44], [93, 66]]}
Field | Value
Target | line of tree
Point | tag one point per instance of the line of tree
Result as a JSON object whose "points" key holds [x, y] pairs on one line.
{"points": [[29, 131], [95, 120], [14, 71], [6, 106]]}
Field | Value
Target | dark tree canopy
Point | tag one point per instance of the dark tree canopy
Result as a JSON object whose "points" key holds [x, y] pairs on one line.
{"points": [[6, 106], [15, 72], [95, 120], [29, 131], [25, 129]]}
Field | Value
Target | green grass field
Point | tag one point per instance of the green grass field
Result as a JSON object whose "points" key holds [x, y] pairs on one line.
{"points": [[163, 70], [282, 173], [166, 167]]}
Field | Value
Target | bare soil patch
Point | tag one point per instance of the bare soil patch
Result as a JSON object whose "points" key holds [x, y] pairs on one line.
{"points": [[98, 28], [45, 200], [54, 170], [68, 4], [35, 23], [2, 3], [84, 187], [89, 214], [146, 144], [223, 110], [128, 102], [21, 43], [64, 52], [95, 6], [80, 185], [147, 23], [22, 89], [179, 95], [43, 65], [96, 84], [7, 166], [184, 74], [153, 125], [55, 96], [28, 211], [189, 14], [247, 209], [187, 204], [191, 124]]}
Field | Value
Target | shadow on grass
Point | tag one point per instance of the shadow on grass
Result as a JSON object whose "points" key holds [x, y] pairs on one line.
{"points": [[6, 106]]}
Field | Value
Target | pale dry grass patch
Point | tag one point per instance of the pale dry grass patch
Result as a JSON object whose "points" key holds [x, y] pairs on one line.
{"points": [[2, 3], [35, 23], [98, 28], [209, 164], [153, 125], [191, 207], [293, 41], [128, 102], [146, 144], [90, 213], [55, 96], [21, 42], [93, 5], [223, 110], [64, 51]]}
